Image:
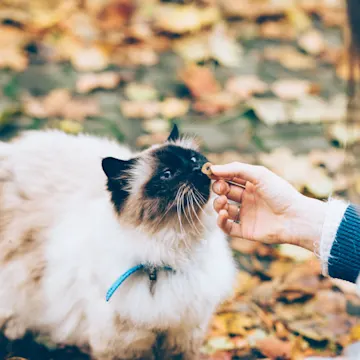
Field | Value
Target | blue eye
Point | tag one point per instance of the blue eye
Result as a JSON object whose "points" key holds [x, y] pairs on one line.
{"points": [[166, 175], [193, 159]]}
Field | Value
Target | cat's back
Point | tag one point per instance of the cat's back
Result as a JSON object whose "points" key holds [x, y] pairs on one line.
{"points": [[46, 163]]}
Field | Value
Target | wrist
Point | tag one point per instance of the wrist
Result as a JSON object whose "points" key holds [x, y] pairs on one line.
{"points": [[306, 224]]}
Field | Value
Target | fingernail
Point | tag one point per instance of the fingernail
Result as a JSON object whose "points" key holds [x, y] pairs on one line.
{"points": [[217, 187]]}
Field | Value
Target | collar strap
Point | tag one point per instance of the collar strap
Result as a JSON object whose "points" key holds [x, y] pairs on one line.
{"points": [[152, 271]]}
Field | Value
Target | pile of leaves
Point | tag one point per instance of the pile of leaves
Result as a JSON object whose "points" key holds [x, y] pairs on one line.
{"points": [[259, 81]]}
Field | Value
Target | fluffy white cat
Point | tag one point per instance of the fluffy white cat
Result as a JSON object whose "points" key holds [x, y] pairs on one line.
{"points": [[74, 217]]}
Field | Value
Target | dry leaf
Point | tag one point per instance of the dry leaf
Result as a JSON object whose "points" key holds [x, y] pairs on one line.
{"points": [[270, 111], [151, 139], [312, 42], [298, 18], [223, 48], [295, 252], [290, 89], [106, 80], [59, 103], [140, 109], [319, 183], [193, 48], [173, 107], [274, 348], [245, 86], [289, 57], [199, 80], [140, 92], [282, 30], [156, 125], [214, 104], [70, 126], [179, 19], [345, 134], [301, 114], [12, 41], [91, 58]]}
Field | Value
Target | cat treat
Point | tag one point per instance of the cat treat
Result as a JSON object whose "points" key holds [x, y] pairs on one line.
{"points": [[206, 169]]}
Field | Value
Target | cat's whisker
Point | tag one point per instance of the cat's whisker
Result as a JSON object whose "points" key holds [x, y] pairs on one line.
{"points": [[196, 214], [190, 208]]}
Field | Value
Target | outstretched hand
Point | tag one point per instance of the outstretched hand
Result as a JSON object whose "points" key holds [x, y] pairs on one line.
{"points": [[269, 209]]}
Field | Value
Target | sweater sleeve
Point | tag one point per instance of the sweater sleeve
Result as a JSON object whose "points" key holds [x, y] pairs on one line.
{"points": [[344, 259]]}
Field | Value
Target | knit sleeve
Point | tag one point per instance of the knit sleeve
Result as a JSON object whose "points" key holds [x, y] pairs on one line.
{"points": [[344, 259]]}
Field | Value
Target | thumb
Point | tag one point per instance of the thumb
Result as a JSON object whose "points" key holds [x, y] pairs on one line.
{"points": [[252, 173]]}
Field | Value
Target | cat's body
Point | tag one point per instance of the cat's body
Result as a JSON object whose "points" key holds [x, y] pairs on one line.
{"points": [[62, 245]]}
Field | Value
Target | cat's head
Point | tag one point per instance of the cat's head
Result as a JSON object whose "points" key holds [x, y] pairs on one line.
{"points": [[162, 186]]}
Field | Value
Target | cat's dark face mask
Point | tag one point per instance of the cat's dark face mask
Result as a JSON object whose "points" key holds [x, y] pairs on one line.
{"points": [[178, 176], [175, 190]]}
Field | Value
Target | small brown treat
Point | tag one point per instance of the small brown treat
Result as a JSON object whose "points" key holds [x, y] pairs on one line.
{"points": [[206, 169]]}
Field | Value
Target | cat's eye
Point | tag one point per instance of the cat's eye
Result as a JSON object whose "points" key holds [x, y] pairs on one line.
{"points": [[193, 159], [166, 175]]}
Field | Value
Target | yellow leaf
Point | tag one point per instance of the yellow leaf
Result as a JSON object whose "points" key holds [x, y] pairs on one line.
{"points": [[224, 48], [70, 126], [180, 19], [140, 92], [298, 18]]}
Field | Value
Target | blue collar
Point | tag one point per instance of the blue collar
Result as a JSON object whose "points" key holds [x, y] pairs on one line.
{"points": [[151, 270]]}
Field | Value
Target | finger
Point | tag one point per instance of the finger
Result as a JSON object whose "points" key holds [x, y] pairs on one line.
{"points": [[252, 173], [232, 192], [229, 227], [221, 203]]}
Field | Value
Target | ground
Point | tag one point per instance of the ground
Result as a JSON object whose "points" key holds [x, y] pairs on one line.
{"points": [[263, 83]]}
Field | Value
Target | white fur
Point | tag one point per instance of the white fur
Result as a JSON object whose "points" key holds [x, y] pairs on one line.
{"points": [[54, 182]]}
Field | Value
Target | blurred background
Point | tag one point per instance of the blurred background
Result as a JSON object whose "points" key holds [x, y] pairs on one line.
{"points": [[259, 81]]}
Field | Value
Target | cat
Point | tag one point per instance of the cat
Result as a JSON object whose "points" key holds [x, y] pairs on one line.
{"points": [[78, 211]]}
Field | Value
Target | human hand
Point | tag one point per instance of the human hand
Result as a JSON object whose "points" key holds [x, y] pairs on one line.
{"points": [[269, 209]]}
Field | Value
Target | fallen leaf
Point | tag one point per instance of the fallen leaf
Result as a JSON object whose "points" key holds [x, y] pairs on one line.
{"points": [[59, 103], [274, 348], [106, 80], [151, 139], [89, 58], [333, 159], [180, 19], [245, 86], [300, 112], [173, 107], [312, 42], [289, 57], [298, 18], [156, 125], [12, 42], [140, 109], [220, 343], [193, 48], [320, 329], [200, 81], [319, 183], [223, 48], [70, 126], [214, 104], [282, 30], [345, 134], [270, 111], [295, 252], [140, 92], [290, 89]]}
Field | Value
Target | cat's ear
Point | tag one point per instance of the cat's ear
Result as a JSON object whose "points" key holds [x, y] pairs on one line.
{"points": [[174, 135], [114, 168]]}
